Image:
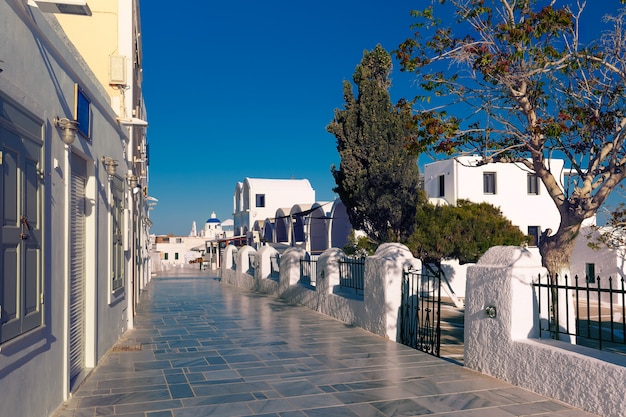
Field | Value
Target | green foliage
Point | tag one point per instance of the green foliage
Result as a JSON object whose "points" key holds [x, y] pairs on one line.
{"points": [[361, 246], [377, 179], [462, 232]]}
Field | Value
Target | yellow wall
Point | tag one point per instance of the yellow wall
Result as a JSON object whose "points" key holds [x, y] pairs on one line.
{"points": [[95, 37]]}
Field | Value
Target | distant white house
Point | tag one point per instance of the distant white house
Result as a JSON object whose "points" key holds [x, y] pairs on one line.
{"points": [[256, 199], [595, 266], [517, 191], [179, 251]]}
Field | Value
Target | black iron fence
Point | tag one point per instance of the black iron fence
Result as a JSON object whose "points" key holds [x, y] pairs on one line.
{"points": [[593, 311], [308, 271], [420, 320], [274, 266], [352, 274], [251, 262]]}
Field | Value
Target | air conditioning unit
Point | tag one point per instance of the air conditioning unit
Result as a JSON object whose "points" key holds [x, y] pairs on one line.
{"points": [[76, 7], [117, 70]]}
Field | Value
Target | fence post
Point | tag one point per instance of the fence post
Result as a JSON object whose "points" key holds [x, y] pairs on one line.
{"points": [[264, 262], [382, 292], [289, 273]]}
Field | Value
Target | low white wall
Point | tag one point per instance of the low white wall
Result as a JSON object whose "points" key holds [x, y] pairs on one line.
{"points": [[503, 346], [376, 310]]}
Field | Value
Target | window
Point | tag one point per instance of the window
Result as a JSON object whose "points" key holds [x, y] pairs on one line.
{"points": [[489, 182], [260, 200], [535, 233], [533, 184], [83, 113], [590, 273], [176, 256], [442, 185], [179, 240], [166, 256], [117, 214]]}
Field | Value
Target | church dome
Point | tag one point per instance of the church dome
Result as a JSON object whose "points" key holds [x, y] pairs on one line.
{"points": [[213, 219]]}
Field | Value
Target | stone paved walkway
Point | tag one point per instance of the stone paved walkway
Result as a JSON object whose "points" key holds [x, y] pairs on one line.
{"points": [[202, 348]]}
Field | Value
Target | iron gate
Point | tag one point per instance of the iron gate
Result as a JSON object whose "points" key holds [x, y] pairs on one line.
{"points": [[419, 321]]}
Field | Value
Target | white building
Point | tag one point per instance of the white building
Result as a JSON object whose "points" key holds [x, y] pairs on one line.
{"points": [[177, 251], [180, 251], [518, 192], [256, 199], [71, 235], [595, 266]]}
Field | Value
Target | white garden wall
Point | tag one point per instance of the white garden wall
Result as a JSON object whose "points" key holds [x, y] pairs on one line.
{"points": [[505, 346]]}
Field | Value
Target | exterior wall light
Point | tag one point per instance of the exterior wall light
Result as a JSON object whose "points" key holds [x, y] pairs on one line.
{"points": [[69, 128], [110, 165], [132, 180]]}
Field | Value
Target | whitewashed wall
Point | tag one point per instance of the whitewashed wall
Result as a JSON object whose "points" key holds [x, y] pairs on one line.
{"points": [[505, 346]]}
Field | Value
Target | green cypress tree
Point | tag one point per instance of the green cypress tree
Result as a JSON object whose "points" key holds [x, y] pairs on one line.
{"points": [[377, 179]]}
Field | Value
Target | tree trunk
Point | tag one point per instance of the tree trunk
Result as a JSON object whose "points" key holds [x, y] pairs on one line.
{"points": [[556, 250]]}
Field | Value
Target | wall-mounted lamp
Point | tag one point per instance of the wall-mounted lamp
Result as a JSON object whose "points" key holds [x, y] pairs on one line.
{"points": [[110, 165], [69, 128], [133, 182]]}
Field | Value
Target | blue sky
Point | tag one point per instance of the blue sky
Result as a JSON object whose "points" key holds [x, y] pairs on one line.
{"points": [[239, 89], [243, 88]]}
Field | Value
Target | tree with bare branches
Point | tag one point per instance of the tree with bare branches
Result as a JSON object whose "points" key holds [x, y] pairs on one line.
{"points": [[512, 81]]}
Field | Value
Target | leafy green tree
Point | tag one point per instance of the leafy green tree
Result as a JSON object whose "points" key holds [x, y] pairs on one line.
{"points": [[523, 87], [462, 232], [377, 179], [360, 246]]}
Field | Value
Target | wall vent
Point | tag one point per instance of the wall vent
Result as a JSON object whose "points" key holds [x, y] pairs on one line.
{"points": [[75, 7]]}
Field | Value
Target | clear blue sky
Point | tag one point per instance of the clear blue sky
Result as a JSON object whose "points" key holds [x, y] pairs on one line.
{"points": [[243, 88]]}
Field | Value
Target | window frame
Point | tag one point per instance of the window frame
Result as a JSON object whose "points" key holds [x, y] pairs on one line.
{"points": [[442, 185], [536, 235], [259, 200], [118, 275], [590, 278], [490, 183], [532, 184]]}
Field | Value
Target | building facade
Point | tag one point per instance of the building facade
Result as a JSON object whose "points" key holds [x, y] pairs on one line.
{"points": [[256, 199], [518, 192], [73, 236]]}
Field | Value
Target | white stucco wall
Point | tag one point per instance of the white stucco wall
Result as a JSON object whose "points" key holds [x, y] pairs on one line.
{"points": [[181, 245], [376, 310], [505, 346], [278, 193]]}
